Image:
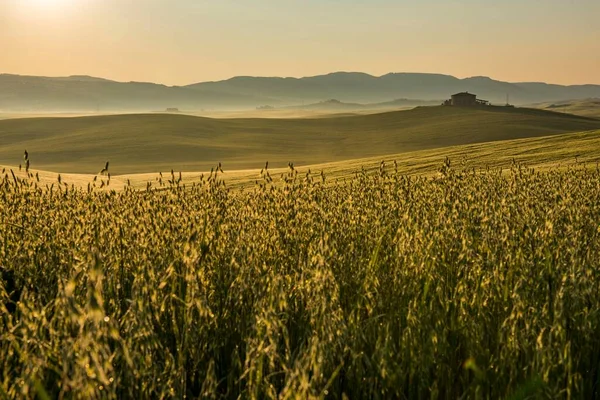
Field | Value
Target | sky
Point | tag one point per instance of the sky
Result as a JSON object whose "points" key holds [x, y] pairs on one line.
{"points": [[177, 42]]}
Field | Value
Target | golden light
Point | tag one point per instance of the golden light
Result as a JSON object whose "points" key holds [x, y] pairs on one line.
{"points": [[45, 8], [47, 2]]}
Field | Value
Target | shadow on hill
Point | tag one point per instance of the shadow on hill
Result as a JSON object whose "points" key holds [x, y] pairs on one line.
{"points": [[139, 143], [536, 111]]}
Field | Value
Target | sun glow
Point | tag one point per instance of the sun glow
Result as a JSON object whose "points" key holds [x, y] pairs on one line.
{"points": [[47, 5], [43, 9]]}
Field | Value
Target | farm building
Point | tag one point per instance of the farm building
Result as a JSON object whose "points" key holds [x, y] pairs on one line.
{"points": [[466, 99]]}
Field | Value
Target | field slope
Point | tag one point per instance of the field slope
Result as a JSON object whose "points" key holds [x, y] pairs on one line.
{"points": [[157, 142], [556, 151], [466, 286], [584, 107]]}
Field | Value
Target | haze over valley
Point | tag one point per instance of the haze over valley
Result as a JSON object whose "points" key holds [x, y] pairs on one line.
{"points": [[88, 94]]}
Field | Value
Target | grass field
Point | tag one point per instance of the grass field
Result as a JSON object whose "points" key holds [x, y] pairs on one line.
{"points": [[281, 113], [556, 151], [584, 107], [153, 143], [462, 285]]}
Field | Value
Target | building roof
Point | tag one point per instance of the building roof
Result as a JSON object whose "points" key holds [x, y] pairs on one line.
{"points": [[464, 94]]}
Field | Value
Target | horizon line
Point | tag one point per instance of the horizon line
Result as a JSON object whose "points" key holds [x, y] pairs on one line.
{"points": [[290, 77]]}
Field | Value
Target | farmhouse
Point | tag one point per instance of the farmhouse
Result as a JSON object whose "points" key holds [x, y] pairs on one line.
{"points": [[465, 99]]}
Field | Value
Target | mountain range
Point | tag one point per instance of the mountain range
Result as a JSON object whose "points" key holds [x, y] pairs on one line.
{"points": [[80, 93]]}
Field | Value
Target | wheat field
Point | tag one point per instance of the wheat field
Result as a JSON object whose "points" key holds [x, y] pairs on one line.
{"points": [[465, 283]]}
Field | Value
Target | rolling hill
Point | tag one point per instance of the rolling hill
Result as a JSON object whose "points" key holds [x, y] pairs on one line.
{"points": [[556, 151], [85, 94], [161, 142], [333, 105], [584, 107], [364, 88]]}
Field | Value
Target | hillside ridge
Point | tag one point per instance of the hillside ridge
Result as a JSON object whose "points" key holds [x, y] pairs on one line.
{"points": [[161, 142], [86, 93]]}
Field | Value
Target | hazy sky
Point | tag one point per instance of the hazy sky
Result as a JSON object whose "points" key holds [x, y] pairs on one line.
{"points": [[187, 41]]}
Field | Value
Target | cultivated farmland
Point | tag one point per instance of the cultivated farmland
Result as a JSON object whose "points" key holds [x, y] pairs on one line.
{"points": [[463, 283]]}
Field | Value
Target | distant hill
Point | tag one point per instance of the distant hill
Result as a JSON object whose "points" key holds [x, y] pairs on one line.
{"points": [[159, 142], [364, 88], [584, 107], [329, 105], [84, 93], [334, 105]]}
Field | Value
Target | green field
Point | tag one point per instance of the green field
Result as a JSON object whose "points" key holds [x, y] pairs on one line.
{"points": [[156, 142], [462, 285], [584, 107], [556, 151]]}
